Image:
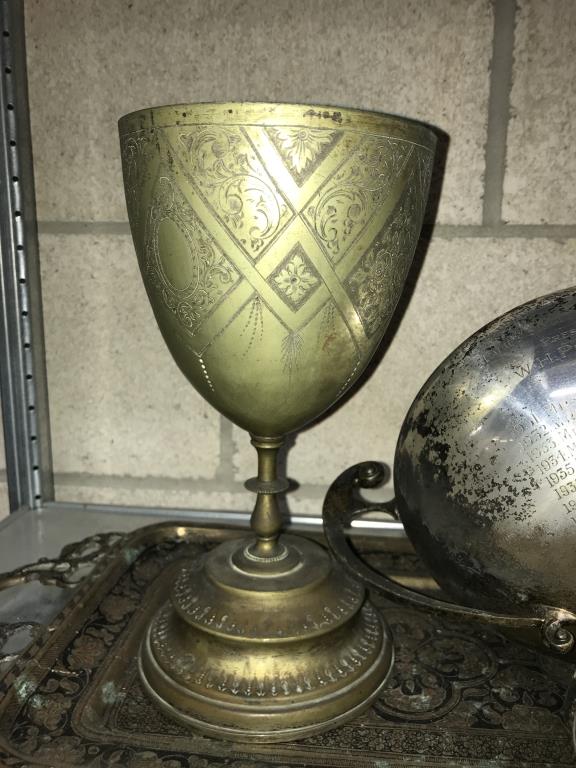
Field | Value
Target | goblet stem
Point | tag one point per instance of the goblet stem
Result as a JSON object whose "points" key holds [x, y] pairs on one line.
{"points": [[266, 520]]}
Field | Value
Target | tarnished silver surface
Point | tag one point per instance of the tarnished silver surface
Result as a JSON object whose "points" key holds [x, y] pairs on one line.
{"points": [[485, 468]]}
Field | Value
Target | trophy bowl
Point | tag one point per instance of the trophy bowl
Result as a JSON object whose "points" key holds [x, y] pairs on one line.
{"points": [[274, 241], [485, 469], [485, 479]]}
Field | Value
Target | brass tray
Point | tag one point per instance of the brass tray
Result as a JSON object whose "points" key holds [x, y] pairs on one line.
{"points": [[458, 696]]}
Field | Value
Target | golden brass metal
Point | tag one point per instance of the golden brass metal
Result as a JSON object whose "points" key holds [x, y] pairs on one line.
{"points": [[277, 655], [274, 241]]}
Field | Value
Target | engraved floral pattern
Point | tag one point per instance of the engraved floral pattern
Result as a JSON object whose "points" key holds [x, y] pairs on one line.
{"points": [[190, 601], [295, 279], [115, 607], [218, 194], [302, 149], [49, 710], [134, 150], [210, 274], [66, 750], [375, 285], [224, 166], [355, 193], [359, 653], [87, 651]]}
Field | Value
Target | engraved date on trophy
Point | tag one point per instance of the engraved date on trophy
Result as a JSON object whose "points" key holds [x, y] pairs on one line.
{"points": [[570, 507], [550, 449], [555, 476], [565, 490]]}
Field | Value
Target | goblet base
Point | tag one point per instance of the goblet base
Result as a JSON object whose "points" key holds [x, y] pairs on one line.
{"points": [[266, 650]]}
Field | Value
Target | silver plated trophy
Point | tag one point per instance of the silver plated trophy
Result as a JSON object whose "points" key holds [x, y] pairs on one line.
{"points": [[485, 479]]}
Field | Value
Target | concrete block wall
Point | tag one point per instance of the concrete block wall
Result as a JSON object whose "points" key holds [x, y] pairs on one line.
{"points": [[498, 77]]}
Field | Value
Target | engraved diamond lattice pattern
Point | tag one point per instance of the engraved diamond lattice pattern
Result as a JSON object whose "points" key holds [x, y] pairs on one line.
{"points": [[295, 279], [355, 193], [303, 149], [376, 283], [223, 165], [230, 172]]}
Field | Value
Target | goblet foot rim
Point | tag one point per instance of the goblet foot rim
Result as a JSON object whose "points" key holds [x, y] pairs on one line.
{"points": [[362, 692], [266, 656]]}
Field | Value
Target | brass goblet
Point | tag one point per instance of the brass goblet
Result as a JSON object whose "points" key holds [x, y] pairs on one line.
{"points": [[274, 241]]}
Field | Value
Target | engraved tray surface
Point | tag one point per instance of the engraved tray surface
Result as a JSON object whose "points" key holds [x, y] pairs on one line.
{"points": [[458, 695]]}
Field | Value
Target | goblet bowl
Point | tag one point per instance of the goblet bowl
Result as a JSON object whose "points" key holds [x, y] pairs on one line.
{"points": [[274, 241]]}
